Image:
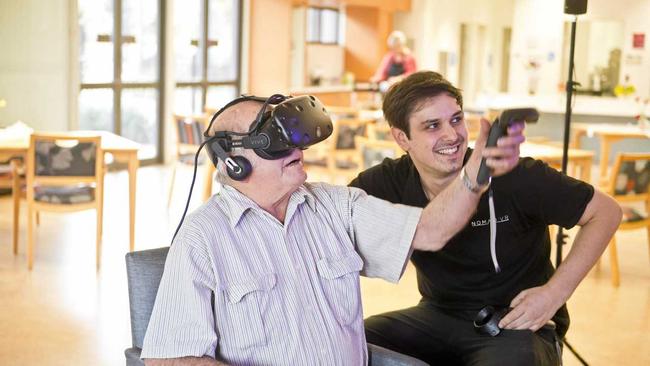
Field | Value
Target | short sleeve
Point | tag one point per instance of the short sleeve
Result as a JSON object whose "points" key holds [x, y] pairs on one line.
{"points": [[550, 196], [182, 321], [383, 233]]}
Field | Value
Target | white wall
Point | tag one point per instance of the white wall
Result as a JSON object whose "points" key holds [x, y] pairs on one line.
{"points": [[434, 26], [34, 63], [537, 34]]}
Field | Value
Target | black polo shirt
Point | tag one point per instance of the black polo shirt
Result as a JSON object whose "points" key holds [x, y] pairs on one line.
{"points": [[461, 276]]}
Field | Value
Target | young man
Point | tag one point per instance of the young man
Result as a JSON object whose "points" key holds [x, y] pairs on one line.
{"points": [[426, 116], [282, 259]]}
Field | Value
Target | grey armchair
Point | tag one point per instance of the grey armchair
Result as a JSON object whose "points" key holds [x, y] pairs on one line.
{"points": [[144, 270]]}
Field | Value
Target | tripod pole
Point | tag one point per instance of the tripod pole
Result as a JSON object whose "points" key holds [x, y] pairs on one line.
{"points": [[565, 156], [567, 130]]}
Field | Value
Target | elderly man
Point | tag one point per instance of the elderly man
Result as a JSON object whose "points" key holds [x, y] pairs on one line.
{"points": [[267, 271], [501, 258]]}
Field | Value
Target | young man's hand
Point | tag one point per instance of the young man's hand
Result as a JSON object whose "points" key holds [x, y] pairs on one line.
{"points": [[532, 309]]}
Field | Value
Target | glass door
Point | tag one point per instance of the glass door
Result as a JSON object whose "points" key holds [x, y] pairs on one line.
{"points": [[207, 54], [120, 63]]}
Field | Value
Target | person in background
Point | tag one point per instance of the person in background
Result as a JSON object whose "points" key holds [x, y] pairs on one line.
{"points": [[505, 264], [397, 63]]}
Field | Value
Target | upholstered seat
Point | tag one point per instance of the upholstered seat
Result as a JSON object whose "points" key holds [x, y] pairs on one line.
{"points": [[64, 195]]}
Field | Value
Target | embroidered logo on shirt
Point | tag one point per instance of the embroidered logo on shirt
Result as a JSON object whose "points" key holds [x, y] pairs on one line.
{"points": [[501, 219]]}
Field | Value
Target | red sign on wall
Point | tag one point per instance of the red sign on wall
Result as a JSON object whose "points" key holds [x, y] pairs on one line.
{"points": [[638, 40]]}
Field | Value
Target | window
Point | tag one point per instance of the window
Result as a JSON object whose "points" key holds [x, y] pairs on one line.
{"points": [[322, 25], [207, 54], [120, 64]]}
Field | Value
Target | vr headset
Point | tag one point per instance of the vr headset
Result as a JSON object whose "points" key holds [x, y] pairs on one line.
{"points": [[294, 123]]}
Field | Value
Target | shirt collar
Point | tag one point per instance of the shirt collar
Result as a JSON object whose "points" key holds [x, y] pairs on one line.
{"points": [[237, 204]]}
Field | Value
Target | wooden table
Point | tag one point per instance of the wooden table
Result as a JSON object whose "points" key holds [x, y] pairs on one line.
{"points": [[122, 149], [581, 159], [607, 134]]}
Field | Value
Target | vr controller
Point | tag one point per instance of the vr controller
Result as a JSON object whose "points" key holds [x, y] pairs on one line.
{"points": [[487, 320], [500, 128]]}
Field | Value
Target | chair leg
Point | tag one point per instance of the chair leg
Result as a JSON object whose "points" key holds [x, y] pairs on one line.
{"points": [[30, 238], [171, 186], [98, 243], [38, 218], [649, 241], [100, 227], [15, 194], [613, 258]]}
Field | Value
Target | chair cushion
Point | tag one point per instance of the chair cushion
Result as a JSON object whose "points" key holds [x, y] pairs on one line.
{"points": [[65, 195], [55, 160], [632, 215]]}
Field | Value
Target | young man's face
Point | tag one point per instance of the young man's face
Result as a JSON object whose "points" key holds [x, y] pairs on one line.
{"points": [[438, 136]]}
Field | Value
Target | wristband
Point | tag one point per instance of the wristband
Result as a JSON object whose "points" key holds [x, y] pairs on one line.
{"points": [[473, 187]]}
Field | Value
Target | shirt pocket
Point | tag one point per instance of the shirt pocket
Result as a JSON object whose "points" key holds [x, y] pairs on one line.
{"points": [[247, 303], [340, 279]]}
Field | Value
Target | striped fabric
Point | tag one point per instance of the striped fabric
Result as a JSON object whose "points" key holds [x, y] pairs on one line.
{"points": [[285, 294]]}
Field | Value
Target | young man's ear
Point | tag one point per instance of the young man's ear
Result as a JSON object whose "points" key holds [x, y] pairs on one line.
{"points": [[400, 137]]}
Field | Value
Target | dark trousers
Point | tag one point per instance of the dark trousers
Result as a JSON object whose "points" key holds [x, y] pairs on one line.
{"points": [[448, 338]]}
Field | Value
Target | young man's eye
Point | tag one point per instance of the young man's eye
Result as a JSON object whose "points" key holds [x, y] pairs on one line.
{"points": [[432, 125], [456, 120]]}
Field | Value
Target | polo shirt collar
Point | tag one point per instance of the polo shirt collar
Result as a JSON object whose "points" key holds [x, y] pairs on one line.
{"points": [[236, 204]]}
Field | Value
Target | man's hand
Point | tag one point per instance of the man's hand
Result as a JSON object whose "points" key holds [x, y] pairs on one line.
{"points": [[532, 309], [502, 158]]}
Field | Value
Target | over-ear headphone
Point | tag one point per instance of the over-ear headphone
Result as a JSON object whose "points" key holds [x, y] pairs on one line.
{"points": [[237, 166]]}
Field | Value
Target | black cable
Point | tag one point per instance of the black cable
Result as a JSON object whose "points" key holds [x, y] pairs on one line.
{"points": [[189, 197]]}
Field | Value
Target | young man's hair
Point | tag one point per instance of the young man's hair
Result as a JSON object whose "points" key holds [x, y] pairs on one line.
{"points": [[405, 96]]}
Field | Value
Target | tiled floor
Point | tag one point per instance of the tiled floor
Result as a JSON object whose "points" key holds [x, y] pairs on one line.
{"points": [[65, 313]]}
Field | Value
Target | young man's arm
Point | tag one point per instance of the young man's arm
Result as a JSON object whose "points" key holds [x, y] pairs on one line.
{"points": [[449, 211], [534, 307], [183, 361]]}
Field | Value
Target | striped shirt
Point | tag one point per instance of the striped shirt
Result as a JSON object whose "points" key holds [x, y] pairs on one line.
{"points": [[284, 294]]}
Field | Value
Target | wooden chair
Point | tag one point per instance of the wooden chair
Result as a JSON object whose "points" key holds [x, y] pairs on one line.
{"points": [[629, 184], [10, 178], [342, 159], [189, 134], [64, 174], [379, 132], [373, 152]]}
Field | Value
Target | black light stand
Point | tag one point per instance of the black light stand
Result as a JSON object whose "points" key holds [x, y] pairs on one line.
{"points": [[569, 8]]}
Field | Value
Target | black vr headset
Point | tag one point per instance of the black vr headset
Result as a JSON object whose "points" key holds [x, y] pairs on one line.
{"points": [[294, 123]]}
